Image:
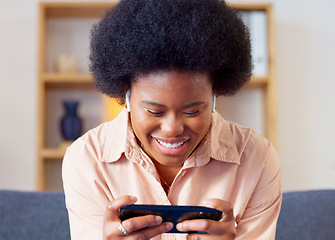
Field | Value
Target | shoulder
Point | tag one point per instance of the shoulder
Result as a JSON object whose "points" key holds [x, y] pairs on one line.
{"points": [[99, 141], [253, 147], [247, 143], [258, 158], [85, 159]]}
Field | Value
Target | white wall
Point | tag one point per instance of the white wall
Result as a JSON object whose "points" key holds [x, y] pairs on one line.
{"points": [[305, 58], [306, 86], [18, 91]]}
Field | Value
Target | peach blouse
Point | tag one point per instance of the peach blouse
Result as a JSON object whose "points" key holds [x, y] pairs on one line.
{"points": [[232, 163]]}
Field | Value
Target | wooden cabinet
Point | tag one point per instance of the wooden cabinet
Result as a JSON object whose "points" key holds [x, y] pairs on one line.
{"points": [[64, 29]]}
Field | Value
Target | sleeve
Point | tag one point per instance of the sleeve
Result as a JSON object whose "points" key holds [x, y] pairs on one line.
{"points": [[259, 219], [86, 192]]}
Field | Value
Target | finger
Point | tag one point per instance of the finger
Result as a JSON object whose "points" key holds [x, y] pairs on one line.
{"points": [[225, 207], [112, 216], [137, 223], [151, 232], [224, 227], [206, 226], [113, 208], [197, 236]]}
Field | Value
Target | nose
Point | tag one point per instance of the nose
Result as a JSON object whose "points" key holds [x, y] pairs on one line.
{"points": [[172, 126]]}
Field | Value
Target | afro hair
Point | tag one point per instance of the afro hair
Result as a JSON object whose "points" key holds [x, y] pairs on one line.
{"points": [[140, 36]]}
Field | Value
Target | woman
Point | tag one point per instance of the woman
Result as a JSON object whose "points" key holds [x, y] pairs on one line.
{"points": [[168, 59]]}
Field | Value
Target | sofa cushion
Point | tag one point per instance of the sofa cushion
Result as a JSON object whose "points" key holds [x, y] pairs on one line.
{"points": [[308, 215], [33, 216]]}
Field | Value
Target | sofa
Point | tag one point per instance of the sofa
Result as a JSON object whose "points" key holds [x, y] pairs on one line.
{"points": [[33, 216], [306, 215]]}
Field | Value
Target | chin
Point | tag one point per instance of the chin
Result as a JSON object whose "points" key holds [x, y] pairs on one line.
{"points": [[171, 161]]}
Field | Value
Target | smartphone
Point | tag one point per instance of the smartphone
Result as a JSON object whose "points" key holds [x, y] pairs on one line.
{"points": [[174, 214]]}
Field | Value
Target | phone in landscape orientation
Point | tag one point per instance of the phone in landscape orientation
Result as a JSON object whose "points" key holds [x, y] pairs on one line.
{"points": [[174, 214]]}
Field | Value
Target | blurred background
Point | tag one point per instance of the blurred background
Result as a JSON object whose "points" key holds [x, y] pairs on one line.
{"points": [[305, 88]]}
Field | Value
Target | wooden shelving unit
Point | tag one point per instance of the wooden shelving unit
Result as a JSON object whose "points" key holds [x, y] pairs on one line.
{"points": [[49, 80]]}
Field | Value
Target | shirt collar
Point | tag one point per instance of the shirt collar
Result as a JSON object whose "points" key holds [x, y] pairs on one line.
{"points": [[218, 143], [116, 138], [222, 141], [121, 140]]}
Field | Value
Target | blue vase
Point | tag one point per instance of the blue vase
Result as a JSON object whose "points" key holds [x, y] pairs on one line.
{"points": [[71, 124]]}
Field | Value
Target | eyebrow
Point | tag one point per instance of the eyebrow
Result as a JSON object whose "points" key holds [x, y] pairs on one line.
{"points": [[162, 105]]}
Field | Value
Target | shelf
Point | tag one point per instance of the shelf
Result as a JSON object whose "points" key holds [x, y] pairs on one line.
{"points": [[251, 6], [85, 80], [69, 80], [58, 77], [75, 9], [256, 82], [53, 153]]}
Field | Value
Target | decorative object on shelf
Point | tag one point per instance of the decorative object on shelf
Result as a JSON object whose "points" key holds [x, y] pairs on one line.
{"points": [[71, 124], [66, 64]]}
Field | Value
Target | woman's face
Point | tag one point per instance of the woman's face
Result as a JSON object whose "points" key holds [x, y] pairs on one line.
{"points": [[171, 113]]}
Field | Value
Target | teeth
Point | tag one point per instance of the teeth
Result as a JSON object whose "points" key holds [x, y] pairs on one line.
{"points": [[169, 145]]}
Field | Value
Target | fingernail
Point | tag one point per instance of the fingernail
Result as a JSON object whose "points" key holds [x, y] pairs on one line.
{"points": [[133, 199], [168, 226], [158, 219]]}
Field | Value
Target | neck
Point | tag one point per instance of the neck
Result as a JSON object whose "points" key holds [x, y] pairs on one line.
{"points": [[167, 173]]}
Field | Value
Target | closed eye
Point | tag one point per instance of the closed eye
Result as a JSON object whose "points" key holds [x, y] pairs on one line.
{"points": [[191, 114], [155, 113]]}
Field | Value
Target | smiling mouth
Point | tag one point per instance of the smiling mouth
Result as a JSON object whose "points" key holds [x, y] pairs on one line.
{"points": [[171, 145]]}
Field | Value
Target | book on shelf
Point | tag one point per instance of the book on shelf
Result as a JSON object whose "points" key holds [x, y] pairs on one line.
{"points": [[256, 22]]}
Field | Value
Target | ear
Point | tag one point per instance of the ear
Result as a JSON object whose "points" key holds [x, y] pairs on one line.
{"points": [[127, 100]]}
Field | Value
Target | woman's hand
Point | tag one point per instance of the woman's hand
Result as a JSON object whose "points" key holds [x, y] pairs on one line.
{"points": [[145, 227], [223, 229]]}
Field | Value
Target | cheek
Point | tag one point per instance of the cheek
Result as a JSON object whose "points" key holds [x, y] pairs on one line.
{"points": [[141, 124], [201, 125]]}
